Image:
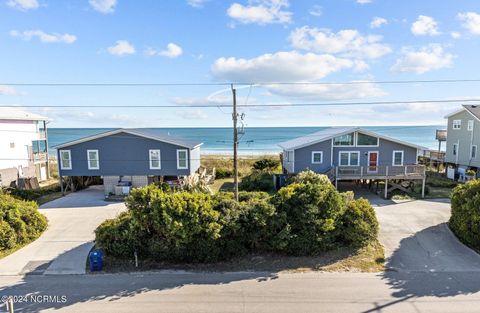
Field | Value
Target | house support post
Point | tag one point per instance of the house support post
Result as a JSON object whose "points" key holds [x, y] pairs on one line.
{"points": [[423, 187], [60, 180], [386, 188]]}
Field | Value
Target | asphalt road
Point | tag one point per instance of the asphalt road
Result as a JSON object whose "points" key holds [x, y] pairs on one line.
{"points": [[249, 292]]}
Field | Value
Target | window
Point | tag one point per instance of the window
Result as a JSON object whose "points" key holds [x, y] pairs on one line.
{"points": [[454, 149], [93, 163], [154, 158], [470, 125], [397, 159], [473, 152], [317, 157], [366, 140], [65, 160], [457, 124], [182, 159], [349, 158], [344, 140], [289, 156]]}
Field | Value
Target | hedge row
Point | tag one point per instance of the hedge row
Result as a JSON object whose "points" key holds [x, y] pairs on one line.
{"points": [[305, 218], [465, 218], [20, 222]]}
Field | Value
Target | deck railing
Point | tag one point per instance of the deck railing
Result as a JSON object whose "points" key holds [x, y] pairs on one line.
{"points": [[382, 171]]}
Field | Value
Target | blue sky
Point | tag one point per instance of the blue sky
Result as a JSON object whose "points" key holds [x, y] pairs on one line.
{"points": [[124, 41]]}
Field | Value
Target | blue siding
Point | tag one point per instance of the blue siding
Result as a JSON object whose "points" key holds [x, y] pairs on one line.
{"points": [[303, 156], [125, 154]]}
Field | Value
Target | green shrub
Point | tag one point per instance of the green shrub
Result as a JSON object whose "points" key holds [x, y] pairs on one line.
{"points": [[20, 222], [266, 164], [222, 172], [310, 177], [310, 213], [257, 181], [465, 218], [33, 194], [358, 225], [176, 224], [117, 236]]}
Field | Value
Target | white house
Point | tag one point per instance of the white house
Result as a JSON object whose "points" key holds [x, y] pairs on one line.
{"points": [[23, 146]]}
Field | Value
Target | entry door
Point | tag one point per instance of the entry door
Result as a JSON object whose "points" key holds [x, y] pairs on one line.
{"points": [[372, 161]]}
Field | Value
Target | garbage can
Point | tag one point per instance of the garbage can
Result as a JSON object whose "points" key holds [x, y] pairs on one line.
{"points": [[96, 260]]}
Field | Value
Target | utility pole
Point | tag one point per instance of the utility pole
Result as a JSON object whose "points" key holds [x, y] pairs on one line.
{"points": [[235, 143]]}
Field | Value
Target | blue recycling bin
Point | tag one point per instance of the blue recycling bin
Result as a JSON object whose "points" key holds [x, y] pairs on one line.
{"points": [[96, 260]]}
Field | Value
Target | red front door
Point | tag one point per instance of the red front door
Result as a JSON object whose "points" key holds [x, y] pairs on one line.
{"points": [[372, 161]]}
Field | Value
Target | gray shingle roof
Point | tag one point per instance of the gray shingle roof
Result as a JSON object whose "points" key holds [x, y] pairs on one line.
{"points": [[152, 133], [473, 109], [319, 136], [329, 133]]}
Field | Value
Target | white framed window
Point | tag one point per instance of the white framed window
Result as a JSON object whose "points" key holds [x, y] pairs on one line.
{"points": [[454, 150], [457, 124], [182, 159], [65, 160], [289, 156], [470, 125], [364, 140], [93, 162], [397, 158], [154, 159], [347, 140], [317, 157], [349, 158], [473, 152]]}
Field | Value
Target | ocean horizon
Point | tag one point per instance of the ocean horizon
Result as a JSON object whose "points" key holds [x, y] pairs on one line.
{"points": [[254, 140]]}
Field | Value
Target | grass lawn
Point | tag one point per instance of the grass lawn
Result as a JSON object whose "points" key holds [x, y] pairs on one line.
{"points": [[49, 197], [368, 259], [222, 184]]}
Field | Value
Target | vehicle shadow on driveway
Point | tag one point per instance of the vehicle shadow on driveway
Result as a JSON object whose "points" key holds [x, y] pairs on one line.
{"points": [[432, 262]]}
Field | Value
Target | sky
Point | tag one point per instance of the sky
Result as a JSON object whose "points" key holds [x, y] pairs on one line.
{"points": [[252, 41]]}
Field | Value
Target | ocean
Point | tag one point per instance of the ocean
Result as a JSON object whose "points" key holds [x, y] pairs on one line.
{"points": [[254, 140]]}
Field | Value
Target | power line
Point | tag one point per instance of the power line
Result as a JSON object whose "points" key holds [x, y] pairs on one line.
{"points": [[179, 84], [249, 105]]}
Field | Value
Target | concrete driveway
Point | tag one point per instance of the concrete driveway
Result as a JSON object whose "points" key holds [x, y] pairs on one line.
{"points": [[63, 248], [417, 239]]}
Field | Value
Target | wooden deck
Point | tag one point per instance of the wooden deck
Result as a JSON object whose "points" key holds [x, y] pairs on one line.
{"points": [[387, 173], [379, 172]]}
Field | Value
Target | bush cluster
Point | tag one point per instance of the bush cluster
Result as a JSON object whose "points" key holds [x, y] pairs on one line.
{"points": [[33, 194], [305, 218], [257, 181], [20, 222], [465, 218]]}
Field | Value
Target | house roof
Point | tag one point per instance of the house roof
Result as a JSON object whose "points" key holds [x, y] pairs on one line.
{"points": [[474, 110], [150, 133], [9, 113], [329, 133]]}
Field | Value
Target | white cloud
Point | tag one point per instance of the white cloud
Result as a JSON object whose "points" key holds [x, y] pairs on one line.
{"points": [[121, 47], [428, 58], [377, 22], [44, 37], [172, 51], [455, 35], [7, 91], [23, 5], [349, 42], [279, 66], [103, 6], [196, 3], [425, 26], [261, 12], [364, 1], [471, 21], [328, 91], [193, 115], [316, 10]]}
